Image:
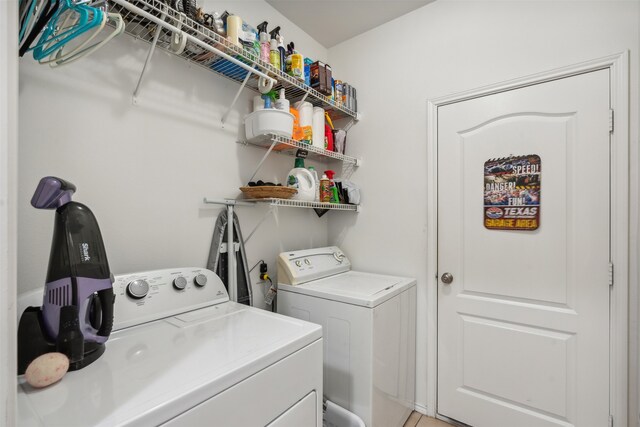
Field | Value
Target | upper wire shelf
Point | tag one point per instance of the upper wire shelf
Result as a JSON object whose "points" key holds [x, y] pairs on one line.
{"points": [[142, 28], [290, 147]]}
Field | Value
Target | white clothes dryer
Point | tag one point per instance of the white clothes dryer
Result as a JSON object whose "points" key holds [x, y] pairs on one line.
{"points": [[182, 354], [369, 328]]}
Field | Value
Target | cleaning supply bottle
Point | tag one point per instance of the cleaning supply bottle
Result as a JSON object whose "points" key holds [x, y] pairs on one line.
{"points": [[333, 190], [282, 103], [294, 62], [328, 133], [283, 53], [297, 134], [274, 53], [325, 189], [302, 180], [265, 47], [317, 181]]}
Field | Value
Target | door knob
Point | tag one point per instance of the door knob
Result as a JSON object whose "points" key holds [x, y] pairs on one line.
{"points": [[447, 278]]}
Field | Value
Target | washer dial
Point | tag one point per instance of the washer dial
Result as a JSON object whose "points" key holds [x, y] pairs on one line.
{"points": [[200, 280], [180, 283], [138, 289]]}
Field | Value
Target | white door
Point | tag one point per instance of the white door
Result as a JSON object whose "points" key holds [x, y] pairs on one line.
{"points": [[523, 327]]}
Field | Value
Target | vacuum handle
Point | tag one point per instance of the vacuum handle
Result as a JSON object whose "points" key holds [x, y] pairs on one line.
{"points": [[107, 299]]}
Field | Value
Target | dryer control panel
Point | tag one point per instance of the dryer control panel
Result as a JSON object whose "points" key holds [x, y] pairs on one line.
{"points": [[297, 267], [152, 295]]}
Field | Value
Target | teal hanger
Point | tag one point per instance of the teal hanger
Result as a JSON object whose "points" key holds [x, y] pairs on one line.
{"points": [[50, 41], [27, 19]]}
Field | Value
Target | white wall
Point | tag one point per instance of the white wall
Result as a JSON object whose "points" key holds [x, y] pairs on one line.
{"points": [[443, 48], [144, 169]]}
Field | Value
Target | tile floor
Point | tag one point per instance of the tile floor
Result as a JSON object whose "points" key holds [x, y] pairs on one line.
{"points": [[416, 419]]}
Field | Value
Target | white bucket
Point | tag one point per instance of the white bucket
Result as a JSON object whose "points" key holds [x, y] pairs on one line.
{"points": [[262, 122]]}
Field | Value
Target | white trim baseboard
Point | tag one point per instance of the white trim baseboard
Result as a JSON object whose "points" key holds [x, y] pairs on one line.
{"points": [[621, 214]]}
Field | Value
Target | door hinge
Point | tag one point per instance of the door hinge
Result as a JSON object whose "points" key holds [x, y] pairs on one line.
{"points": [[610, 120], [610, 274], [610, 420]]}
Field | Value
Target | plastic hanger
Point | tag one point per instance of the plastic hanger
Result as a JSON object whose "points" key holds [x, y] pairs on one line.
{"points": [[32, 17], [52, 39], [119, 29], [51, 7], [27, 19], [58, 55]]}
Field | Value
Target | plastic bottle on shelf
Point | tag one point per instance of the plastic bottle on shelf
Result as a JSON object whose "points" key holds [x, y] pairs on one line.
{"points": [[317, 181], [297, 134], [282, 103], [333, 190], [274, 53], [306, 120], [294, 62], [318, 128], [283, 53], [325, 189], [302, 180], [265, 47]]}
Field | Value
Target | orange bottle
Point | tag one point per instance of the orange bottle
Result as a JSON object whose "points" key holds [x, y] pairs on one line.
{"points": [[298, 134]]}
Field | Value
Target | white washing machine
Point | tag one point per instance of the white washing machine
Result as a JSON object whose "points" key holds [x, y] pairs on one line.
{"points": [[369, 324], [187, 357]]}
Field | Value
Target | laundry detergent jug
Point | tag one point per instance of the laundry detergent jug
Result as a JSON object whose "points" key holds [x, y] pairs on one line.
{"points": [[303, 181]]}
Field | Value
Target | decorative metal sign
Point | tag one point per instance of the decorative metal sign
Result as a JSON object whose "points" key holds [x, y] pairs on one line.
{"points": [[512, 193]]}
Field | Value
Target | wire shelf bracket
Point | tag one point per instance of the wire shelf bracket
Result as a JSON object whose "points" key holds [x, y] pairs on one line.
{"points": [[152, 49], [235, 99]]}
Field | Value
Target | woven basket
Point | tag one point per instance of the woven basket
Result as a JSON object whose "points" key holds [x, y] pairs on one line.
{"points": [[268, 192]]}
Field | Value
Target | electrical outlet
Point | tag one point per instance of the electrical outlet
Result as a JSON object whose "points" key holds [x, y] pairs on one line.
{"points": [[263, 267]]}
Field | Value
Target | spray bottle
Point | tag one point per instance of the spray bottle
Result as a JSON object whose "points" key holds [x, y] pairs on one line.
{"points": [[264, 42], [274, 53], [333, 190], [283, 53], [294, 63]]}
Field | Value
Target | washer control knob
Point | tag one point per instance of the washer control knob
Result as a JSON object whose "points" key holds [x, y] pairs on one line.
{"points": [[338, 256], [306, 261], [200, 280], [180, 283], [138, 289], [298, 263]]}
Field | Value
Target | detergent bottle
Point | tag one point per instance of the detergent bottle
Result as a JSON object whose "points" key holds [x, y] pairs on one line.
{"points": [[302, 180]]}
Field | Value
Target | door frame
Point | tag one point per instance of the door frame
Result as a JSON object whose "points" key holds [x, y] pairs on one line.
{"points": [[618, 64], [8, 209]]}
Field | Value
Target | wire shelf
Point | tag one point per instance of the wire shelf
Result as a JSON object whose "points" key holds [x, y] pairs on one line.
{"points": [[284, 202], [141, 28], [310, 205], [290, 147]]}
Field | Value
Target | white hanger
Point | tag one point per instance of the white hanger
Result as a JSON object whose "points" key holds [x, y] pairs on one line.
{"points": [[120, 25], [57, 55]]}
